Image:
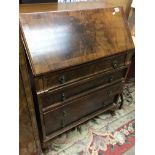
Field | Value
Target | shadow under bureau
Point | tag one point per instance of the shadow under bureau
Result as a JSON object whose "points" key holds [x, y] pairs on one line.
{"points": [[78, 61]]}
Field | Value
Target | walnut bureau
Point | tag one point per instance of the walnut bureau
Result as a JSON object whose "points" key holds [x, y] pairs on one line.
{"points": [[78, 61]]}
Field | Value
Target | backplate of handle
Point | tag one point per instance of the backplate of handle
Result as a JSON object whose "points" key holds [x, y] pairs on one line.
{"points": [[109, 93], [63, 96], [62, 79], [115, 64], [110, 78]]}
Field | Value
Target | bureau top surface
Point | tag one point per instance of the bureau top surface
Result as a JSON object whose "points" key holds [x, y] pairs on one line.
{"points": [[61, 39]]}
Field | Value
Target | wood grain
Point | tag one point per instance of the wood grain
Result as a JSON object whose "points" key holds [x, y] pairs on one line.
{"points": [[71, 55], [73, 91], [29, 140], [72, 111], [80, 72], [73, 37]]}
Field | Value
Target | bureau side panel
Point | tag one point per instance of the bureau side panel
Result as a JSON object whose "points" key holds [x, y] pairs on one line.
{"points": [[29, 143]]}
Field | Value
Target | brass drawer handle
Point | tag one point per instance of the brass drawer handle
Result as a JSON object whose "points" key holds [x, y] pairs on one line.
{"points": [[63, 123], [115, 64], [62, 79], [109, 93], [110, 79], [63, 97], [64, 113]]}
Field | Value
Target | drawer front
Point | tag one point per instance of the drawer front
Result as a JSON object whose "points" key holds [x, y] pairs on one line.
{"points": [[77, 109], [66, 93], [76, 73]]}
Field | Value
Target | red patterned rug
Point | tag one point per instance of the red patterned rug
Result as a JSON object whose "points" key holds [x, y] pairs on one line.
{"points": [[115, 143]]}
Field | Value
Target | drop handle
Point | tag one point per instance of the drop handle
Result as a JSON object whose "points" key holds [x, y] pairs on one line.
{"points": [[115, 64], [63, 123], [64, 113], [62, 79], [109, 93], [63, 97], [110, 79]]}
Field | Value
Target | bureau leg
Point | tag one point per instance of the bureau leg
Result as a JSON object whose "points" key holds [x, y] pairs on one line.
{"points": [[112, 111], [46, 149], [117, 98], [122, 101]]}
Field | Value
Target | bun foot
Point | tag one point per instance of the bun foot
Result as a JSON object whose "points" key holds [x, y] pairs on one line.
{"points": [[46, 150], [112, 110]]}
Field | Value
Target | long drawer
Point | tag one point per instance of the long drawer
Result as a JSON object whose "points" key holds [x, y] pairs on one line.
{"points": [[65, 93], [62, 116], [66, 76]]}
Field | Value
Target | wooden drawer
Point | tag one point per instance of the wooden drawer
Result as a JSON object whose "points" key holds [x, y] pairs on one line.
{"points": [[64, 77], [62, 116], [65, 93]]}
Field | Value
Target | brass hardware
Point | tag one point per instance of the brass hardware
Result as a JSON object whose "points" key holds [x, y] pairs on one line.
{"points": [[62, 79], [63, 123], [63, 97], [110, 79], [115, 64], [109, 93], [64, 113]]}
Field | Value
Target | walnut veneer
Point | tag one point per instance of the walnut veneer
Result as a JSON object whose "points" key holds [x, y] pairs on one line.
{"points": [[77, 62]]}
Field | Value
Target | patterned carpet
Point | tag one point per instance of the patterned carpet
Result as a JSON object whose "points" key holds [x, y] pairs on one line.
{"points": [[103, 135]]}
